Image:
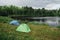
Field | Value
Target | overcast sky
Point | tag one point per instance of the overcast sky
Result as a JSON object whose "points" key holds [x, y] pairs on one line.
{"points": [[31, 3]]}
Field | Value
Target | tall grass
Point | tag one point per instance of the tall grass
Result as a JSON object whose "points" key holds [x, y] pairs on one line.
{"points": [[5, 19], [38, 32]]}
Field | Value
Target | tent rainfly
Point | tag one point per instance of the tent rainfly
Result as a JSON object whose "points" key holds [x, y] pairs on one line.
{"points": [[14, 22], [23, 28]]}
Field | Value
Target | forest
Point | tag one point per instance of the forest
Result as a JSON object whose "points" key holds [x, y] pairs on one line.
{"points": [[27, 11]]}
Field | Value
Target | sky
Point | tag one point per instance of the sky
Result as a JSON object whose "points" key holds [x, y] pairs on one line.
{"points": [[49, 4]]}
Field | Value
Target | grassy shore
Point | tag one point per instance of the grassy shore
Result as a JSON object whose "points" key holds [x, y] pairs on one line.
{"points": [[38, 32]]}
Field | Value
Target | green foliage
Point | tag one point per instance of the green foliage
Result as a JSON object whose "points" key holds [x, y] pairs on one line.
{"points": [[27, 11], [58, 26], [5, 19]]}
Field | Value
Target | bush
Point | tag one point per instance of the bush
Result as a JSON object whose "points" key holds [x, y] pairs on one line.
{"points": [[58, 27], [5, 19]]}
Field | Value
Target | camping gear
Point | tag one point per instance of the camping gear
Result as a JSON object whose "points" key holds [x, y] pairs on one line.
{"points": [[23, 28], [14, 22]]}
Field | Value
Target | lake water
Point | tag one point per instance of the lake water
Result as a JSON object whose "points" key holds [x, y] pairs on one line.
{"points": [[51, 21]]}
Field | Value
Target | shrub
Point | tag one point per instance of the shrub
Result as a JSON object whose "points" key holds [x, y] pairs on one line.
{"points": [[5, 19], [58, 27]]}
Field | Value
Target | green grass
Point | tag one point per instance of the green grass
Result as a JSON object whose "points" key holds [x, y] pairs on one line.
{"points": [[5, 19], [38, 32]]}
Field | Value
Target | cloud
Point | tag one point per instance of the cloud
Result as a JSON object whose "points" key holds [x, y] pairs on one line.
{"points": [[9, 2], [31, 3], [53, 6]]}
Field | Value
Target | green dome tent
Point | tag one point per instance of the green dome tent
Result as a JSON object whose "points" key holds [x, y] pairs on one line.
{"points": [[23, 28]]}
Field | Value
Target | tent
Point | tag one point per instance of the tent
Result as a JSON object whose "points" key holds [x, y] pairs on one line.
{"points": [[14, 22], [23, 28]]}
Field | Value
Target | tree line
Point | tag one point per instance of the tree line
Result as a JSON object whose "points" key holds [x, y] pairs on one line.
{"points": [[27, 11]]}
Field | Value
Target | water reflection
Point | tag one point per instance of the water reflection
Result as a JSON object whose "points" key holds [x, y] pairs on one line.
{"points": [[52, 23]]}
